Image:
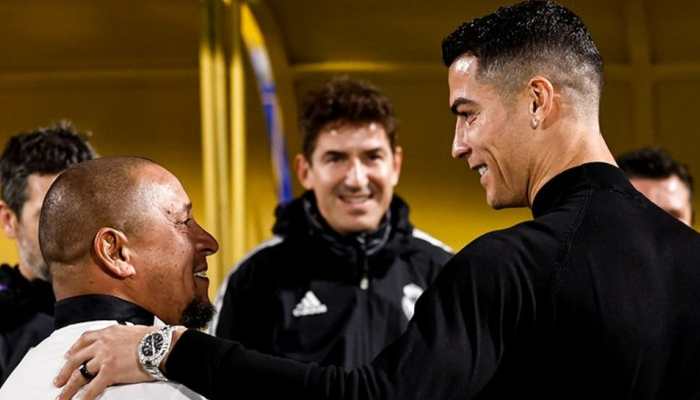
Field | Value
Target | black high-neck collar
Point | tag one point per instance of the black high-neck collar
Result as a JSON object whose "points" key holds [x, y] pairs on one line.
{"points": [[97, 307], [575, 179]]}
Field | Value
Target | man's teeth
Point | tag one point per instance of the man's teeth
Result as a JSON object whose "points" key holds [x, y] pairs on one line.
{"points": [[201, 274], [355, 199], [482, 170]]}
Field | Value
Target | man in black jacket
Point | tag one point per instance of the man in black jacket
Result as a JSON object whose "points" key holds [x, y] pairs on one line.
{"points": [[340, 279], [596, 297], [28, 166]]}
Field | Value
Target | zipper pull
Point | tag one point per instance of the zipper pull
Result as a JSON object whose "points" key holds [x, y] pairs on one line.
{"points": [[364, 282]]}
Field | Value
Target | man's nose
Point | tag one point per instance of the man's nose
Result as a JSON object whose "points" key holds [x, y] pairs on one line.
{"points": [[356, 175], [207, 243], [460, 147]]}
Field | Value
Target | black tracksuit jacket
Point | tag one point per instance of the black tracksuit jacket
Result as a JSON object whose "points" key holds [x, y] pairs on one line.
{"points": [[597, 297], [313, 295], [26, 316]]}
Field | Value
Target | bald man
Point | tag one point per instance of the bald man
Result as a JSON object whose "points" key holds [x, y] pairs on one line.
{"points": [[122, 246]]}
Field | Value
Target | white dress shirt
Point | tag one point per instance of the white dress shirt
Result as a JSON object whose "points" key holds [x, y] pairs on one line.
{"points": [[33, 377]]}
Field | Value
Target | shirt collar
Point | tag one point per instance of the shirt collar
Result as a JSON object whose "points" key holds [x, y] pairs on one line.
{"points": [[369, 242], [576, 179], [96, 307]]}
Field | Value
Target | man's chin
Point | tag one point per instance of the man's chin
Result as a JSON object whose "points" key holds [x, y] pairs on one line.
{"points": [[197, 314]]}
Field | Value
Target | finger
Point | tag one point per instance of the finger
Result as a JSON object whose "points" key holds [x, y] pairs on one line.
{"points": [[72, 364], [74, 384], [91, 369], [86, 339], [95, 387]]}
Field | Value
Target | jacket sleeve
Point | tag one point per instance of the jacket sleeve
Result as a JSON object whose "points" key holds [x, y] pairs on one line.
{"points": [[451, 349]]}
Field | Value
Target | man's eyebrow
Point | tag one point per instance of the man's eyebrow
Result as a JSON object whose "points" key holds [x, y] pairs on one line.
{"points": [[333, 153], [460, 101]]}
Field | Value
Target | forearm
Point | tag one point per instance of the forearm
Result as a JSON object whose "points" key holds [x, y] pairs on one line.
{"points": [[218, 368]]}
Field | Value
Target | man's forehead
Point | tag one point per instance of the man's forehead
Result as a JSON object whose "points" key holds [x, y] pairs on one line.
{"points": [[163, 189], [463, 64], [669, 184], [461, 78], [174, 203], [40, 183], [371, 134]]}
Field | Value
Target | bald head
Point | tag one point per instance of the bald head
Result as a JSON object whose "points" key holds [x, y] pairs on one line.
{"points": [[124, 227], [101, 193]]}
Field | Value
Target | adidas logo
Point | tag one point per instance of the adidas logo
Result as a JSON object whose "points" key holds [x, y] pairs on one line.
{"points": [[309, 305]]}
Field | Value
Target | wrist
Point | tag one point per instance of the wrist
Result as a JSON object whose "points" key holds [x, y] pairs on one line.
{"points": [[177, 333], [152, 349]]}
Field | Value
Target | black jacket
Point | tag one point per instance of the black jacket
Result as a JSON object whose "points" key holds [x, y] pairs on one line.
{"points": [[26, 316], [313, 295], [597, 297]]}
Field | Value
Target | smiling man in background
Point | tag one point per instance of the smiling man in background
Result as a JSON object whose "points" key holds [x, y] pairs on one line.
{"points": [[341, 277]]}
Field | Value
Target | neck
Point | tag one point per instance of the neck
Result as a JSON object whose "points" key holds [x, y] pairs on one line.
{"points": [[26, 272], [66, 285], [571, 146]]}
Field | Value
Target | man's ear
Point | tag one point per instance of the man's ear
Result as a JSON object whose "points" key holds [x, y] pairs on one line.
{"points": [[111, 252], [541, 101], [303, 168], [397, 162], [8, 219]]}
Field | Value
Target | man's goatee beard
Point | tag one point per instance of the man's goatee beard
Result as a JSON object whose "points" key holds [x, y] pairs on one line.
{"points": [[197, 314]]}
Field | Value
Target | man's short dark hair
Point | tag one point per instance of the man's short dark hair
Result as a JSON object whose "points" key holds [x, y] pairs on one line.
{"points": [[531, 37], [43, 151], [654, 163], [344, 100]]}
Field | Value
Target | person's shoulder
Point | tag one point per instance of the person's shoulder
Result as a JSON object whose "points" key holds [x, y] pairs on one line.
{"points": [[260, 255], [255, 263], [528, 248], [423, 241], [8, 274]]}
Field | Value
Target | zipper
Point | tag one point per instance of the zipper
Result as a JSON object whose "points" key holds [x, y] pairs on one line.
{"points": [[364, 281]]}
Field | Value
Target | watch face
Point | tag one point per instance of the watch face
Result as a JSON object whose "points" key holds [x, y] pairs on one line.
{"points": [[152, 349], [152, 344]]}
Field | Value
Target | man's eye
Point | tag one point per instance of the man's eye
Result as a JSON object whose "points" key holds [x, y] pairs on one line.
{"points": [[467, 116]]}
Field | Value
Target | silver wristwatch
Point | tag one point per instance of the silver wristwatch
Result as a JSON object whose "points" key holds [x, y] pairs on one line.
{"points": [[152, 350]]}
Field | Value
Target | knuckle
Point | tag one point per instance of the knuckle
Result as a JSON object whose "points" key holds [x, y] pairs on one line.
{"points": [[109, 361]]}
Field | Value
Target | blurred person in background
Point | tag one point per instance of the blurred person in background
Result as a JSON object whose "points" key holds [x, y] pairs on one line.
{"points": [[28, 165], [663, 180], [340, 279]]}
